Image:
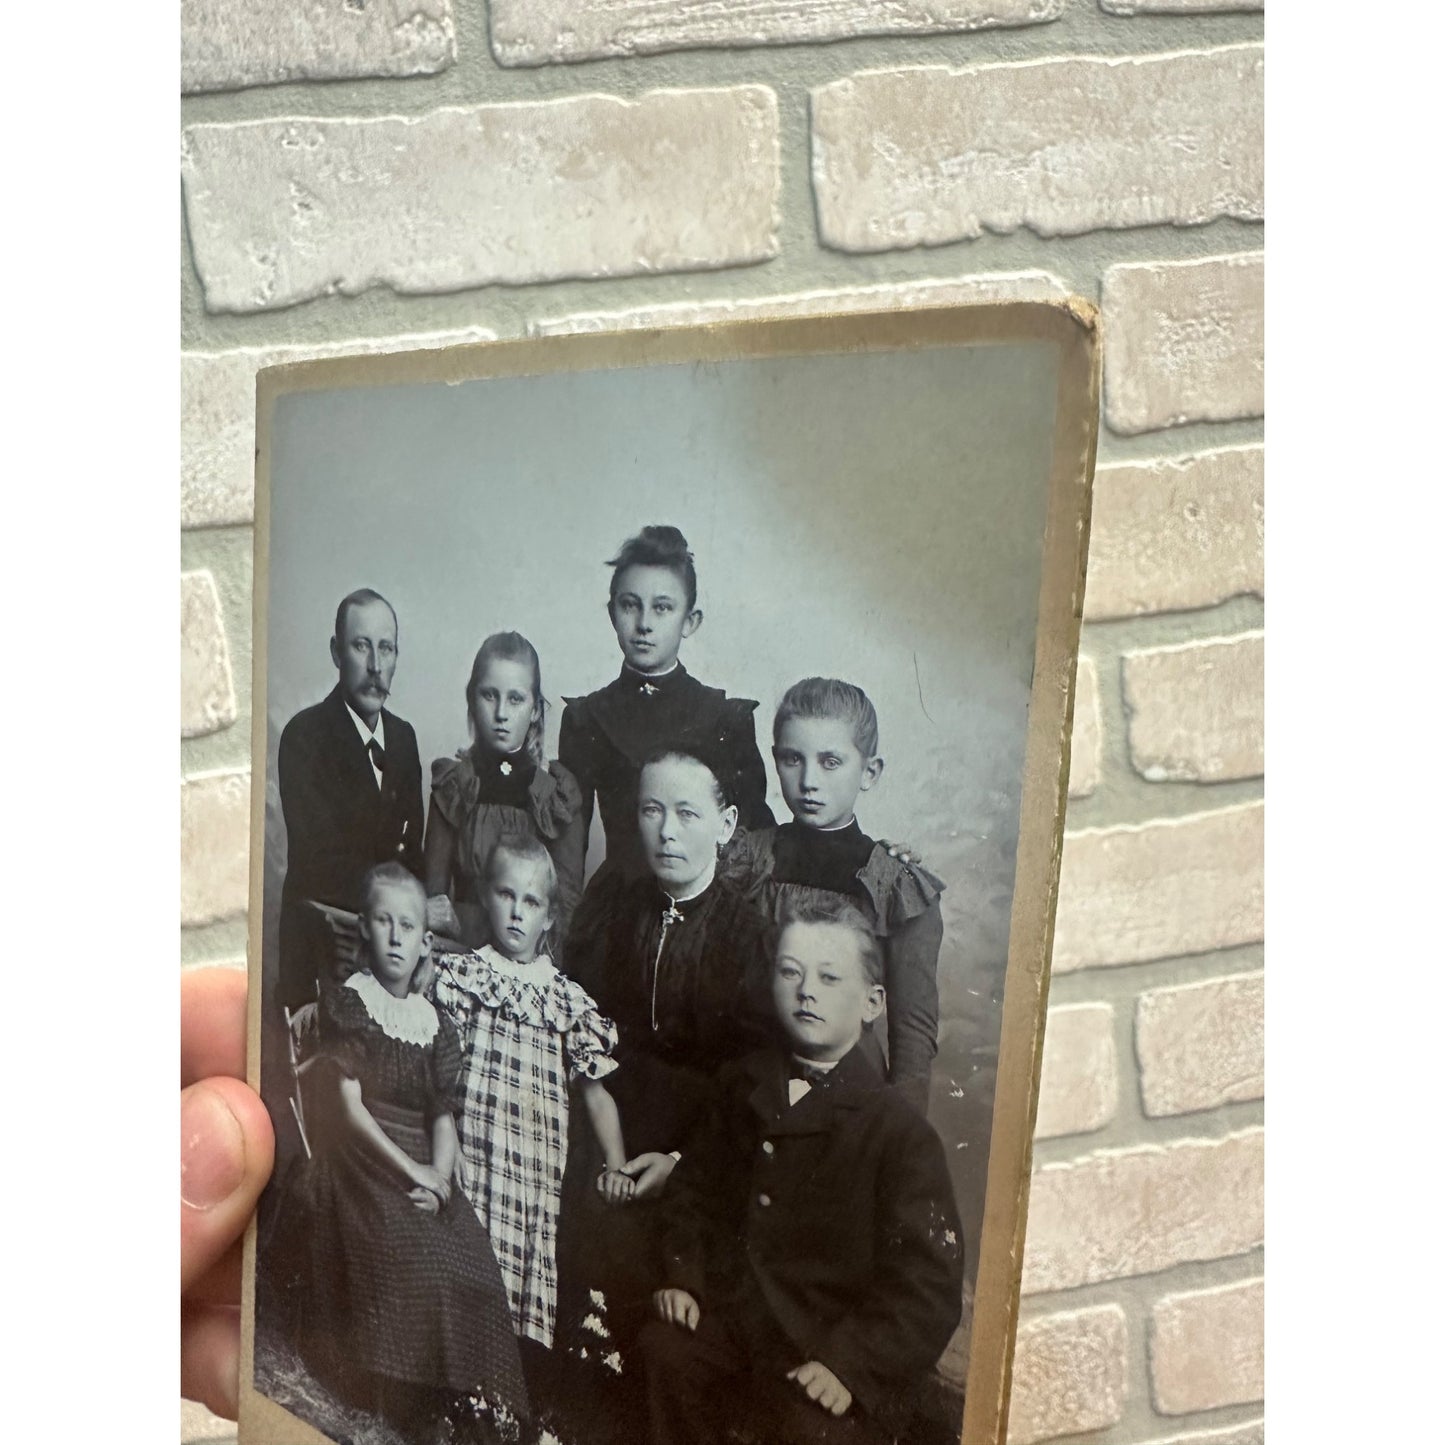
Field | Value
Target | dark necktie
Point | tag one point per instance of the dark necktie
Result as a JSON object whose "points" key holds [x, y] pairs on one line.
{"points": [[377, 754]]}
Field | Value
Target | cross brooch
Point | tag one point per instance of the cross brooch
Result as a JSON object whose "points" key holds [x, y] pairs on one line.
{"points": [[647, 689]]}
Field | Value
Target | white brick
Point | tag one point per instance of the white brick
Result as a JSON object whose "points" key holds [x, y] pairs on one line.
{"points": [[1196, 712], [225, 45], [1251, 1433], [218, 416], [215, 856], [1087, 739], [1206, 1349], [1180, 886], [1079, 1086], [1172, 535], [208, 694], [1123, 1212], [1185, 342], [537, 32], [1201, 1045], [895, 295], [1176, 7], [925, 156], [281, 211], [1068, 1374]]}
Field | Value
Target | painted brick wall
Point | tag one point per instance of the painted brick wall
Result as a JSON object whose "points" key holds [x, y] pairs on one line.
{"points": [[803, 154]]}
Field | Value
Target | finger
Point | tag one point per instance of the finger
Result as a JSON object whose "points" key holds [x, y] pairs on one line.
{"points": [[221, 1284], [690, 1314], [795, 1373], [227, 1149], [213, 1024], [211, 1357], [839, 1404]]}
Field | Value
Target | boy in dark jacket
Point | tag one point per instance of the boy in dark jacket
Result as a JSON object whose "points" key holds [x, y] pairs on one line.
{"points": [[812, 1253]]}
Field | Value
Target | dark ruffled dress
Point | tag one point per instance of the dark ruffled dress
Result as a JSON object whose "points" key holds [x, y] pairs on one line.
{"points": [[481, 797], [899, 899], [683, 983], [388, 1289]]}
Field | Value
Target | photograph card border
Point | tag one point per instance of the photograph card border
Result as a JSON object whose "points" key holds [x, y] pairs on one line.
{"points": [[1073, 326]]}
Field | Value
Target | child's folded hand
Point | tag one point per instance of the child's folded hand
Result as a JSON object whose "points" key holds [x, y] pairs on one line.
{"points": [[615, 1186], [424, 1199], [428, 1179], [677, 1307], [823, 1387]]}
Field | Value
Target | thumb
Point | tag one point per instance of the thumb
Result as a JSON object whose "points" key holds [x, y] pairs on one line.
{"points": [[227, 1149], [633, 1167]]}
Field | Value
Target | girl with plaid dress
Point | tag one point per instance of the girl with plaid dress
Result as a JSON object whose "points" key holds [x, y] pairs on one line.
{"points": [[529, 1035]]}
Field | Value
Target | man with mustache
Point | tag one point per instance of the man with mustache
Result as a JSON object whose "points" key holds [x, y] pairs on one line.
{"points": [[351, 792]]}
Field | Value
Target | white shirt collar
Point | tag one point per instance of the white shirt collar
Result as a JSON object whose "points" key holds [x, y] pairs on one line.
{"points": [[366, 734]]}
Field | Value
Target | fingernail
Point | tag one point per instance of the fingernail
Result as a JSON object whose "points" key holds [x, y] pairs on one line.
{"points": [[213, 1149]]}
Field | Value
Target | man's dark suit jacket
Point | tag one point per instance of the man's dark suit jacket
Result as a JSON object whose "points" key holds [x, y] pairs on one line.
{"points": [[831, 1220], [339, 823]]}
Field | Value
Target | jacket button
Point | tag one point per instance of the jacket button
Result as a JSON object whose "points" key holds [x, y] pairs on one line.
{"points": [[764, 1201], [767, 1146]]}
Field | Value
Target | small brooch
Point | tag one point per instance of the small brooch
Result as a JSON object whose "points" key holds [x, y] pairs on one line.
{"points": [[505, 768], [670, 914], [647, 689]]}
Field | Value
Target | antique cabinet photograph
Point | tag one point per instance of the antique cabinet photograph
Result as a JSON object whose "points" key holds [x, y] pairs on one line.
{"points": [[658, 780]]}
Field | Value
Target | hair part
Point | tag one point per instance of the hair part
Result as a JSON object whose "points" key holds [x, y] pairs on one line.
{"points": [[724, 785], [527, 849], [656, 547], [835, 912], [391, 872], [830, 697], [511, 647], [360, 598]]}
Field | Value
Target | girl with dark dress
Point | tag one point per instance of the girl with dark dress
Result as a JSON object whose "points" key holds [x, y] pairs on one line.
{"points": [[676, 960], [399, 1302], [655, 702], [501, 786]]}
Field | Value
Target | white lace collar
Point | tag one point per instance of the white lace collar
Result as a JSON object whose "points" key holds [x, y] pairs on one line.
{"points": [[412, 1019], [540, 971]]}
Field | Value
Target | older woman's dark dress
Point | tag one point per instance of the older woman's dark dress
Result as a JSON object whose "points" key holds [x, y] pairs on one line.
{"points": [[683, 983]]}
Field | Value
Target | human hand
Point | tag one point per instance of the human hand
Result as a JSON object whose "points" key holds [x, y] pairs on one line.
{"points": [[823, 1387], [441, 917], [423, 1176], [902, 852], [651, 1171], [677, 1307], [424, 1199], [227, 1149], [615, 1186]]}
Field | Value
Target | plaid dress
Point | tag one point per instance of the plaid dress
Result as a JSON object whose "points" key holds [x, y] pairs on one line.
{"points": [[527, 1031]]}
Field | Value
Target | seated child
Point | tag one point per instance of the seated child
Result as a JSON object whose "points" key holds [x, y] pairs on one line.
{"points": [[812, 1255], [825, 750], [528, 1032], [399, 1291]]}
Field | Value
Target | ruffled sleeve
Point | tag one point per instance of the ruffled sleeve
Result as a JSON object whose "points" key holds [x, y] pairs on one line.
{"points": [[900, 891], [341, 1027], [454, 789], [555, 801], [446, 1070], [591, 1040]]}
